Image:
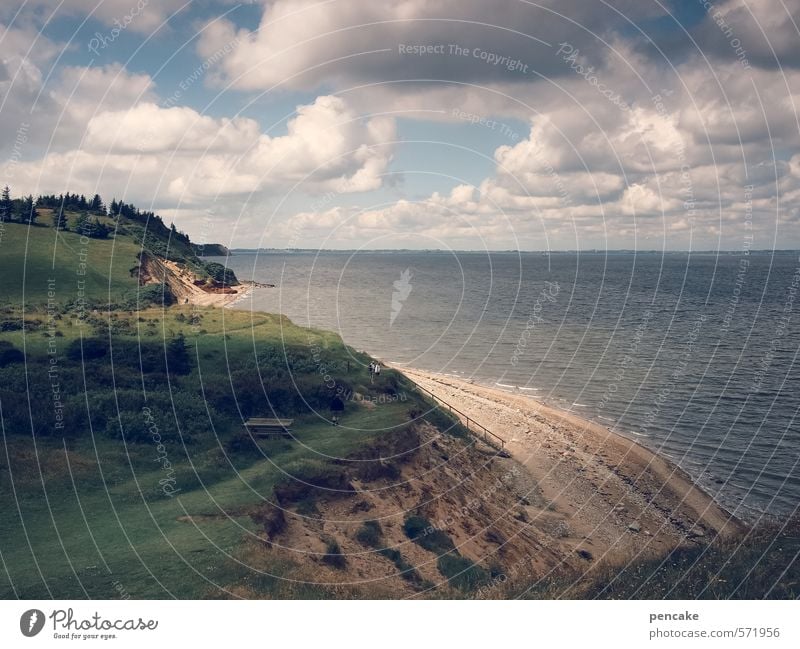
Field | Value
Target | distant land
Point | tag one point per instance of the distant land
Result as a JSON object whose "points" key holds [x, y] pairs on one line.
{"points": [[593, 251]]}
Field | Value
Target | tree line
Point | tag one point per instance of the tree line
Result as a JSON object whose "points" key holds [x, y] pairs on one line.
{"points": [[25, 209]]}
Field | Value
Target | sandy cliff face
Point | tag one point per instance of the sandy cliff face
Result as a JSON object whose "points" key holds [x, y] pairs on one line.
{"points": [[153, 270], [183, 283], [515, 523], [484, 503]]}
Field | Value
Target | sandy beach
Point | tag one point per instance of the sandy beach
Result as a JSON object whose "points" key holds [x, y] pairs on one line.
{"points": [[613, 497], [182, 283], [228, 298]]}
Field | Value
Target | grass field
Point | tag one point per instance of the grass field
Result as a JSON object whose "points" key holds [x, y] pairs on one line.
{"points": [[35, 259], [125, 470], [83, 514]]}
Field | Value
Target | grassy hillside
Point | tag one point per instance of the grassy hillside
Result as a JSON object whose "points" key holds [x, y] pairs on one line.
{"points": [[40, 263], [151, 484], [125, 469], [40, 254]]}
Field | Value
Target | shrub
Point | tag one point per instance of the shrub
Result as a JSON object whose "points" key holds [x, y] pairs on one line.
{"points": [[370, 534], [220, 274], [406, 570], [333, 555], [424, 534], [87, 349], [461, 572], [151, 294], [11, 325], [308, 508], [178, 359], [10, 354], [133, 427]]}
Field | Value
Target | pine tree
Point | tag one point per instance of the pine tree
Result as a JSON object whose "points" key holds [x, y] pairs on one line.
{"points": [[97, 205], [178, 359], [100, 230], [82, 225], [29, 211], [60, 219], [6, 205]]}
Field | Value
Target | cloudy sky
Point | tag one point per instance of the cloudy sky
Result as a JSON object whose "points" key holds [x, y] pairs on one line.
{"points": [[467, 124]]}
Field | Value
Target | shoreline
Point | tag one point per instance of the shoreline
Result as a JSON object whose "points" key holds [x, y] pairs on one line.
{"points": [[616, 495], [186, 291], [222, 300]]}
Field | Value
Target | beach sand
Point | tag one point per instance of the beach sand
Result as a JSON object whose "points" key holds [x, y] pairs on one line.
{"points": [[181, 282], [611, 496]]}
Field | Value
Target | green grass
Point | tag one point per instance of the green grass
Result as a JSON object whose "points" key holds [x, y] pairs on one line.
{"points": [[100, 525], [111, 526], [38, 255], [83, 512]]}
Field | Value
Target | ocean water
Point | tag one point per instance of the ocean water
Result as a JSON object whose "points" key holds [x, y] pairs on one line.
{"points": [[693, 355]]}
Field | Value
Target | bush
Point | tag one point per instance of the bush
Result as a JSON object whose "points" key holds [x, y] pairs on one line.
{"points": [[333, 555], [11, 325], [406, 570], [134, 429], [308, 508], [461, 572], [87, 349], [220, 274], [178, 359], [10, 354], [424, 534], [370, 534], [151, 294]]}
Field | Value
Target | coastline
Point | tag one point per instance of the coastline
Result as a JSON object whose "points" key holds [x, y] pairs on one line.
{"points": [[618, 498], [183, 285], [607, 493], [228, 299]]}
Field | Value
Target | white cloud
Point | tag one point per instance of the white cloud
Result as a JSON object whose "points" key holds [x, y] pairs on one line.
{"points": [[178, 154], [304, 43], [586, 169], [83, 93], [670, 170], [149, 128]]}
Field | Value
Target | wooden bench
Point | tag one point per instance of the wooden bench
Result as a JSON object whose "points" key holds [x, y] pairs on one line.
{"points": [[261, 427]]}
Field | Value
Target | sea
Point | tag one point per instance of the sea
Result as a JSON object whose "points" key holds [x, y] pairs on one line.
{"points": [[693, 355]]}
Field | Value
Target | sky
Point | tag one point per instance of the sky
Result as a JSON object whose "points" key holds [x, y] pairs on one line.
{"points": [[421, 124]]}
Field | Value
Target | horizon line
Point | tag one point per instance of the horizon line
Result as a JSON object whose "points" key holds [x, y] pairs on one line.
{"points": [[513, 250]]}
